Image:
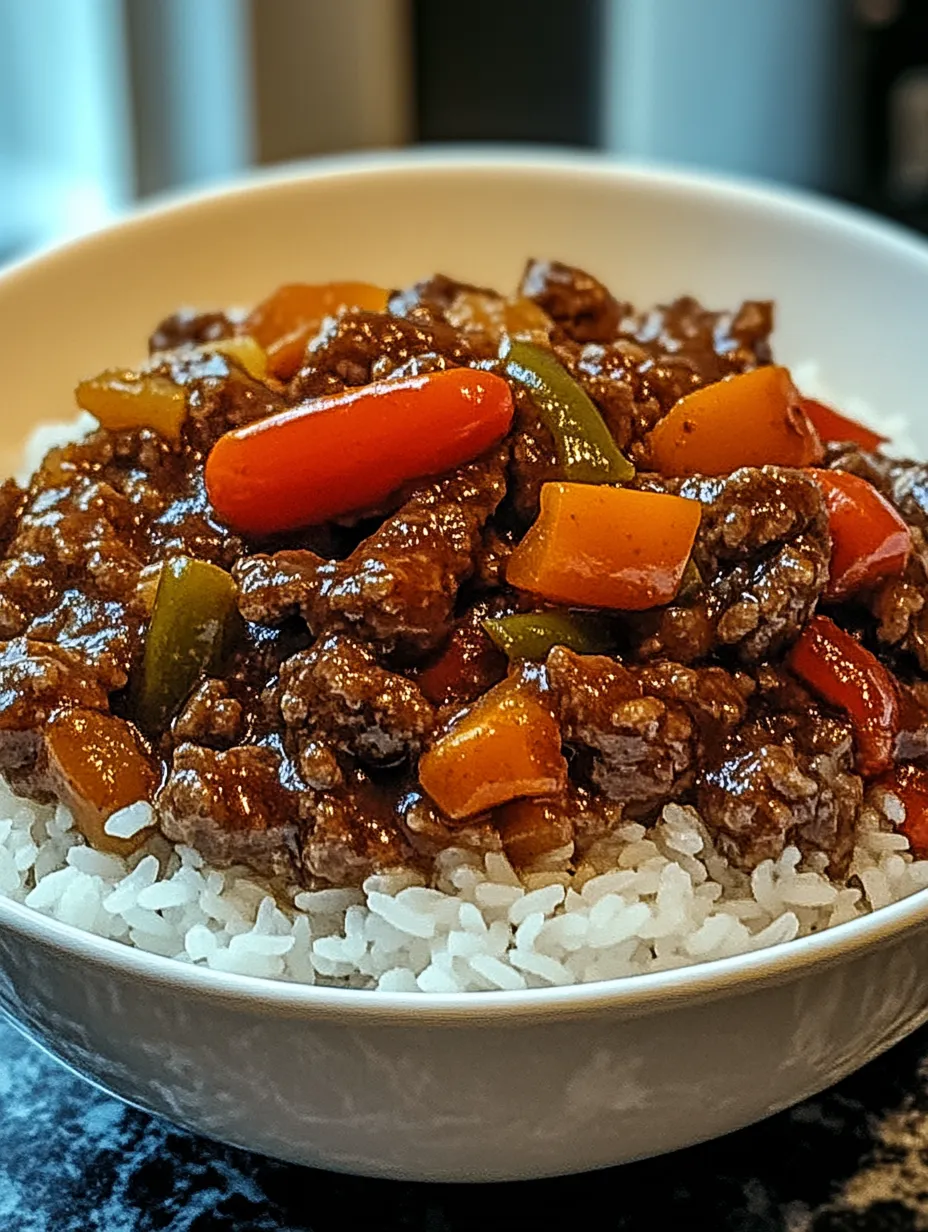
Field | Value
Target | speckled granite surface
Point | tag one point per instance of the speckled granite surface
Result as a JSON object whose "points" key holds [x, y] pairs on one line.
{"points": [[74, 1160]]}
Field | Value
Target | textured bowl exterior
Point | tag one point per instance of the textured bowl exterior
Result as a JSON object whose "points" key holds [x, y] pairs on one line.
{"points": [[464, 1100], [503, 1085]]}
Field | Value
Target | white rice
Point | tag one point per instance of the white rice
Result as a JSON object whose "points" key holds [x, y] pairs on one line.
{"points": [[634, 904], [639, 901]]}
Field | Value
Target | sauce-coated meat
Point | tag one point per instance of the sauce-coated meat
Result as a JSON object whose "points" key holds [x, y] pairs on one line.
{"points": [[340, 657], [762, 552]]}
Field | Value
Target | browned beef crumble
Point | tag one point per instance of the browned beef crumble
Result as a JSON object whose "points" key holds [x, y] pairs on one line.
{"points": [[583, 308], [762, 553], [189, 327], [900, 604], [361, 640], [231, 806], [359, 347]]}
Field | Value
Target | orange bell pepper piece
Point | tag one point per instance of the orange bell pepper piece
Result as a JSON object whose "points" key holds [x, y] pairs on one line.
{"points": [[348, 452], [752, 419], [505, 746], [99, 765], [286, 321], [832, 426], [598, 546], [869, 539], [530, 829]]}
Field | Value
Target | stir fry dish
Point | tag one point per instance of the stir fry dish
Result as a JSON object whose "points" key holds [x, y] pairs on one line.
{"points": [[363, 574]]}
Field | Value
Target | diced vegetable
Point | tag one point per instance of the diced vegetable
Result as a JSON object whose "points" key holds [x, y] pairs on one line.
{"points": [[848, 677], [468, 664], [531, 829], [507, 745], [832, 426], [910, 784], [597, 546], [193, 618], [121, 400], [99, 765], [530, 635], [243, 350], [348, 452], [752, 419], [286, 321], [586, 450], [869, 539]]}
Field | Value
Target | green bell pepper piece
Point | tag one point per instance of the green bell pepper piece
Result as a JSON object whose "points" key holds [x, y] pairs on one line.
{"points": [[530, 635], [192, 623], [585, 447]]}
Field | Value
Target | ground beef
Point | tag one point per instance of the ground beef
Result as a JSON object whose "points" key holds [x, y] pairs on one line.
{"points": [[12, 500], [899, 604], [429, 832], [232, 807], [105, 635], [220, 394], [188, 327], [72, 573], [431, 299], [714, 698], [273, 588], [337, 691], [636, 734], [533, 459], [689, 346], [398, 588], [908, 491], [211, 716], [582, 307], [655, 359], [492, 558], [762, 551], [480, 316], [759, 793], [358, 347], [785, 776], [615, 375], [352, 833]]}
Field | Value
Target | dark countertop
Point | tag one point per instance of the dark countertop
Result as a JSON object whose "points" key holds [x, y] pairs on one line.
{"points": [[74, 1160]]}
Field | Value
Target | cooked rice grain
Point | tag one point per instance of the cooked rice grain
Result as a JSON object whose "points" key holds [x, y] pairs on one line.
{"points": [[636, 904]]}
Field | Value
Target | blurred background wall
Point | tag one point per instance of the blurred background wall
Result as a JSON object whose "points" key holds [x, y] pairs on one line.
{"points": [[103, 102]]}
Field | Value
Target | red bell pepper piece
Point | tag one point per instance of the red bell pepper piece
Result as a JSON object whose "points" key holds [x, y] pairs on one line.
{"points": [[910, 784], [348, 452], [847, 676], [869, 539], [468, 665], [831, 426]]}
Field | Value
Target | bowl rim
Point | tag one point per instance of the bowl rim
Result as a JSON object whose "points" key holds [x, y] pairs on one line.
{"points": [[627, 995]]}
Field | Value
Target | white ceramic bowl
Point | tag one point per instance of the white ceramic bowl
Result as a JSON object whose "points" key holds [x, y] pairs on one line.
{"points": [[497, 1085]]}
